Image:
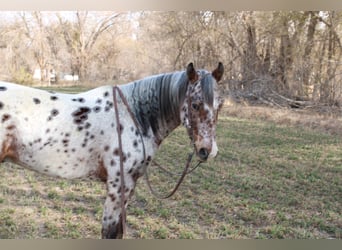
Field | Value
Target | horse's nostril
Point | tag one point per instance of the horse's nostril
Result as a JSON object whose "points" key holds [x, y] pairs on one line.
{"points": [[203, 154]]}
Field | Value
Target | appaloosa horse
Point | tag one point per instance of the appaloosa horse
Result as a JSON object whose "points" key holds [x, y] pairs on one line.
{"points": [[76, 135]]}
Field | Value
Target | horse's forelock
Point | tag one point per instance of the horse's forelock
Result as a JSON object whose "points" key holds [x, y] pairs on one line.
{"points": [[207, 85]]}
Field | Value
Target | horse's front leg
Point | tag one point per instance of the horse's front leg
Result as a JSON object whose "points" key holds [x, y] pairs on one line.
{"points": [[112, 227], [112, 218]]}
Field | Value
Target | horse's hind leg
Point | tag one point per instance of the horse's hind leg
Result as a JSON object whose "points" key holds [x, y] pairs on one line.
{"points": [[8, 148]]}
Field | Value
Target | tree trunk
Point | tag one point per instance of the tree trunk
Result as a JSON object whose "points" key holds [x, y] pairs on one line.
{"points": [[307, 69], [284, 64], [325, 89], [251, 61]]}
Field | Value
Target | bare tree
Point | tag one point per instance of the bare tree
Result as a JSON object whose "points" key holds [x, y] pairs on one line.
{"points": [[35, 31], [295, 53], [81, 34]]}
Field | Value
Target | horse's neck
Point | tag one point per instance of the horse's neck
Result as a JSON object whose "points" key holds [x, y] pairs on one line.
{"points": [[156, 101]]}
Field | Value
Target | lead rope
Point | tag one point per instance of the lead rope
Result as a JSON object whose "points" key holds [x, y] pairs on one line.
{"points": [[184, 173], [116, 89], [122, 179]]}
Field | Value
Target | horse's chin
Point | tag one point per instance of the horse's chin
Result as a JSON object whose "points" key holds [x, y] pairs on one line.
{"points": [[209, 159]]}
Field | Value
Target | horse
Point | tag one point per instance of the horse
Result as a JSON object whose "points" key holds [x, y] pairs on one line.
{"points": [[77, 136]]}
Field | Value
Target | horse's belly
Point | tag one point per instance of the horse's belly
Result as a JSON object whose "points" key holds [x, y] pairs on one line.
{"points": [[59, 164]]}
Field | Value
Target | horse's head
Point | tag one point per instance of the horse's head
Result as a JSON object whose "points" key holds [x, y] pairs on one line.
{"points": [[199, 112]]}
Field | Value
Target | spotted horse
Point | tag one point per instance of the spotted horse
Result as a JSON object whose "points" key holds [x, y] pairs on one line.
{"points": [[77, 136]]}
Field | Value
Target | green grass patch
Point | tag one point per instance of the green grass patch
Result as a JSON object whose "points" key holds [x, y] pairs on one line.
{"points": [[268, 181]]}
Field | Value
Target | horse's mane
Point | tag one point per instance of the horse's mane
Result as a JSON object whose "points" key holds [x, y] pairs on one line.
{"points": [[156, 100]]}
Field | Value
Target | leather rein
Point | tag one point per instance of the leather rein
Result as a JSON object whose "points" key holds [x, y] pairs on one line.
{"points": [[117, 90]]}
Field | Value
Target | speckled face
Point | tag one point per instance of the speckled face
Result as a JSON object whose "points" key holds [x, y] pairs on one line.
{"points": [[202, 117]]}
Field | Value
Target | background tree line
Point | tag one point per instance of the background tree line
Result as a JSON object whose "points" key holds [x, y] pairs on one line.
{"points": [[293, 57]]}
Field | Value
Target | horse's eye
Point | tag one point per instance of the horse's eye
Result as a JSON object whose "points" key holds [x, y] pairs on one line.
{"points": [[195, 106]]}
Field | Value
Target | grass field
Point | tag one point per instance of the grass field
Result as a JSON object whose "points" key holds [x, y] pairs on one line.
{"points": [[268, 181]]}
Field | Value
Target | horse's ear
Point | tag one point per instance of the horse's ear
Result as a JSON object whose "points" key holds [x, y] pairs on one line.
{"points": [[191, 73], [218, 72]]}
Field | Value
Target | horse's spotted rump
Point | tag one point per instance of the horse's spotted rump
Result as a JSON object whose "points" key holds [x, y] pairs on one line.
{"points": [[116, 152], [76, 136], [80, 99], [109, 106], [87, 125], [36, 100], [81, 111], [54, 112], [5, 118], [97, 109], [81, 115], [10, 127], [112, 162]]}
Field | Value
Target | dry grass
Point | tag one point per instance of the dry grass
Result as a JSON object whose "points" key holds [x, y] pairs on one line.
{"points": [[327, 123]]}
